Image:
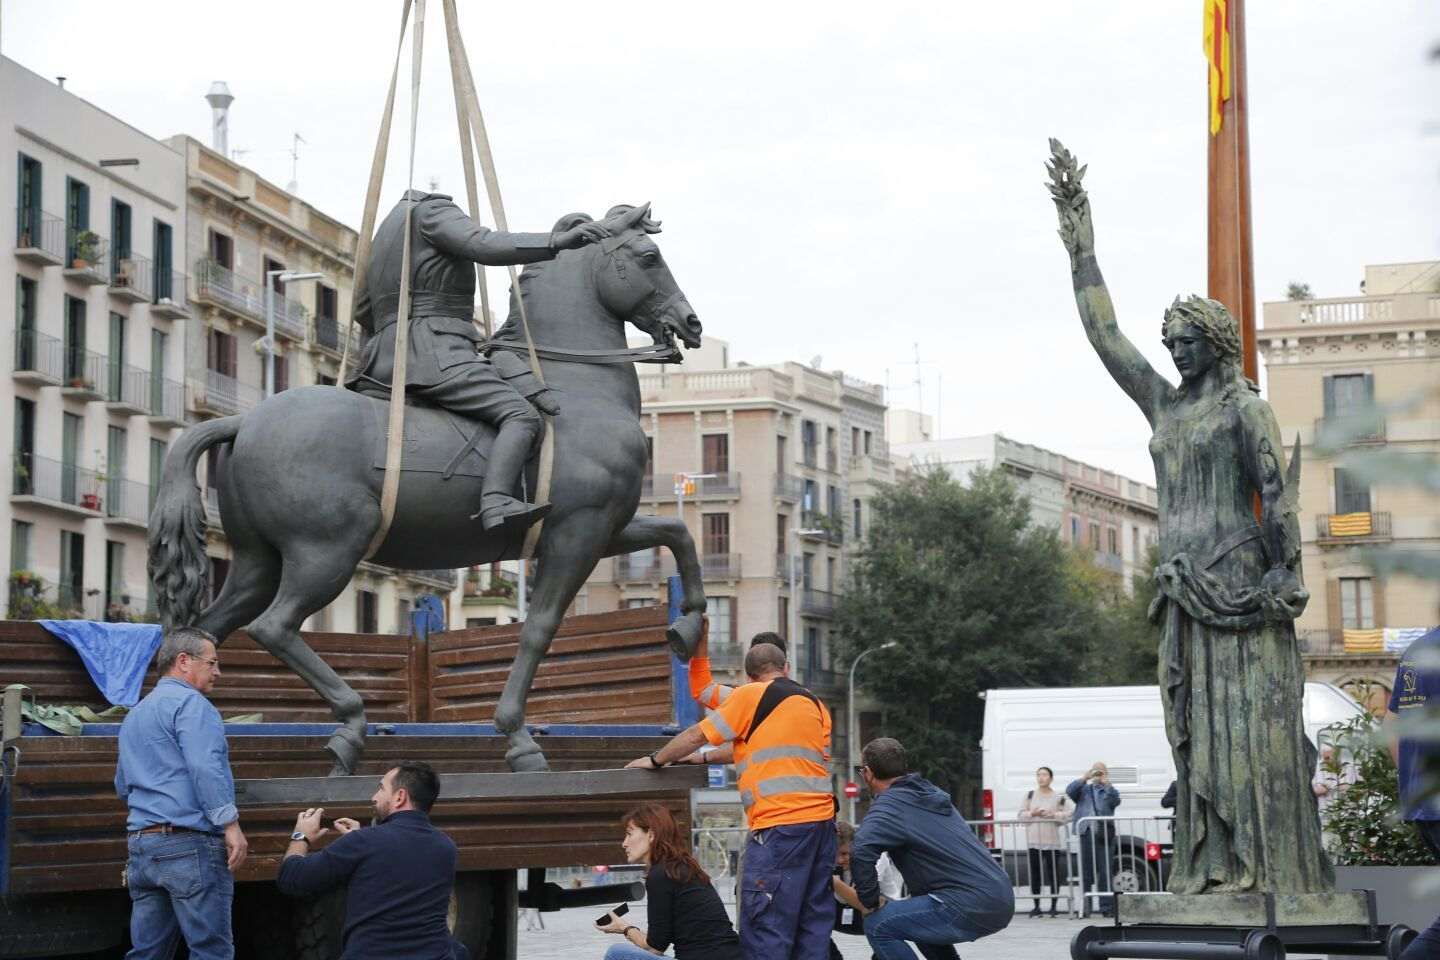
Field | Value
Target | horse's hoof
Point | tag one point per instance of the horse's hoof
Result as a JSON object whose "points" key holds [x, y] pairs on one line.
{"points": [[345, 747], [684, 635], [526, 759]]}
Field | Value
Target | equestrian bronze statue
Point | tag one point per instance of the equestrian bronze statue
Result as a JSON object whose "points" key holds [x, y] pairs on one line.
{"points": [[299, 486], [1228, 587]]}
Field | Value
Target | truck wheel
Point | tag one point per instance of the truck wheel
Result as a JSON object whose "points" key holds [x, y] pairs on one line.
{"points": [[320, 926], [53, 925], [472, 907]]}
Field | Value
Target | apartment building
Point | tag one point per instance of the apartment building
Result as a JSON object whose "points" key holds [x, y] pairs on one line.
{"points": [[1112, 518], [261, 258], [775, 467], [91, 251], [1326, 360]]}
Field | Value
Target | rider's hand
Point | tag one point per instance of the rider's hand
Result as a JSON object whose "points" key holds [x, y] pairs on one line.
{"points": [[578, 236], [546, 402]]}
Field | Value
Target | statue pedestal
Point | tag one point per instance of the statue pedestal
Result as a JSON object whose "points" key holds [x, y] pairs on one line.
{"points": [[1241, 926]]}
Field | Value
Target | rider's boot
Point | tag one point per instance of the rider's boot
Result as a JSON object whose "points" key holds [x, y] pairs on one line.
{"points": [[499, 509]]}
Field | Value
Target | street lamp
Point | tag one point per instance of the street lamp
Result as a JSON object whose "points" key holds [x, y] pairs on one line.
{"points": [[853, 728], [285, 277]]}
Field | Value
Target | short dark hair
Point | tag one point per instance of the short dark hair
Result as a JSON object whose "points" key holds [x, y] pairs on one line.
{"points": [[418, 779], [180, 640], [886, 758], [762, 658], [768, 636]]}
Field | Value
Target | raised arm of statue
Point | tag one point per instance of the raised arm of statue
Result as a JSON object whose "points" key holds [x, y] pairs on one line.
{"points": [[1126, 364], [1264, 465]]}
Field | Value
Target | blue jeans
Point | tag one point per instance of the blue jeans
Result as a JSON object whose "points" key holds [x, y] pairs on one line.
{"points": [[1427, 945], [179, 886], [627, 951], [922, 919], [787, 903]]}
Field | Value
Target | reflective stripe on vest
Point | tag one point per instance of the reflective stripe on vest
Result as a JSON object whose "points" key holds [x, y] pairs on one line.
{"points": [[779, 753]]}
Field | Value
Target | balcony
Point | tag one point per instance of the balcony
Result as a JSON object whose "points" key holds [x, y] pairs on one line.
{"points": [[642, 568], [39, 237], [164, 401], [39, 358], [131, 278], [126, 388], [1339, 642], [724, 484], [819, 526], [783, 563], [169, 303], [720, 566], [810, 454], [444, 580], [221, 395], [1112, 562], [1399, 307], [32, 599], [126, 503], [84, 374], [62, 487], [817, 603], [1338, 528], [325, 333], [86, 260], [292, 319], [1343, 430], [789, 487], [217, 286]]}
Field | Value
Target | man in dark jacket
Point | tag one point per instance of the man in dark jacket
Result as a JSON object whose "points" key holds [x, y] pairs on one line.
{"points": [[442, 366], [958, 893], [398, 873]]}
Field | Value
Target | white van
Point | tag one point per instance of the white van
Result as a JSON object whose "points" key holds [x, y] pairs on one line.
{"points": [[1069, 728]]}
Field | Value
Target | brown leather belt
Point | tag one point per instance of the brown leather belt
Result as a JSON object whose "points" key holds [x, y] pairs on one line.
{"points": [[166, 828]]}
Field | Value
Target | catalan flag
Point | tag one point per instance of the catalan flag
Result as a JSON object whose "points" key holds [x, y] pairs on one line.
{"points": [[1365, 641], [1217, 52], [1350, 525]]}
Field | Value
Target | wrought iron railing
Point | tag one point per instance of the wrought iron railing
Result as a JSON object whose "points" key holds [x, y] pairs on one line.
{"points": [[39, 353], [38, 230]]}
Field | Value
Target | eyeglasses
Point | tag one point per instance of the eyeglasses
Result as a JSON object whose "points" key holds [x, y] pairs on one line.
{"points": [[214, 663]]}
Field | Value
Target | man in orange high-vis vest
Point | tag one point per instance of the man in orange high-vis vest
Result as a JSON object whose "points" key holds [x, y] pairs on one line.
{"points": [[781, 737]]}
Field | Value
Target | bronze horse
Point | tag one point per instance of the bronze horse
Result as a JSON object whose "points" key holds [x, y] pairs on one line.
{"points": [[299, 491]]}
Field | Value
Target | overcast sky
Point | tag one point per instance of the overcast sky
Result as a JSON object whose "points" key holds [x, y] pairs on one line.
{"points": [[843, 180]]}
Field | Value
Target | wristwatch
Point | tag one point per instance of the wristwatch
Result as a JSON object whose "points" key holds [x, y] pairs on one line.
{"points": [[297, 835], [657, 764]]}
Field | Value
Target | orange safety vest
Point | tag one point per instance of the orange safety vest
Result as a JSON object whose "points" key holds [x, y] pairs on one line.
{"points": [[782, 751]]}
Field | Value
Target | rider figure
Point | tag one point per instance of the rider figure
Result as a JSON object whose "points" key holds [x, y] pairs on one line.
{"points": [[443, 367]]}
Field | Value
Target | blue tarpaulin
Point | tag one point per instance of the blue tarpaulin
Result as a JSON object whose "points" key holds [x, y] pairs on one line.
{"points": [[115, 654]]}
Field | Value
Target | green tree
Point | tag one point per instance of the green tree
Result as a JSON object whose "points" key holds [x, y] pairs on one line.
{"points": [[976, 597], [1125, 646]]}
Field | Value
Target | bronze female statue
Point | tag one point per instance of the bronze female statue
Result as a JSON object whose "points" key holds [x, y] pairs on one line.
{"points": [[1229, 589]]}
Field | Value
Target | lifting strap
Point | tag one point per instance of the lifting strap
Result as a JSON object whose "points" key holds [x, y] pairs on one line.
{"points": [[471, 124]]}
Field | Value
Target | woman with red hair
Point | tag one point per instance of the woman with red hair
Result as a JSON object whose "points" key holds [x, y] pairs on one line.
{"points": [[683, 907]]}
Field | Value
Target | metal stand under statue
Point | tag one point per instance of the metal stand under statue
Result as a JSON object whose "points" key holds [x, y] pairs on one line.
{"points": [[1250, 875]]}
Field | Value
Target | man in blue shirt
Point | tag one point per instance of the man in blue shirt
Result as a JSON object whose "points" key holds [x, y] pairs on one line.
{"points": [[1094, 796], [184, 831], [958, 893], [1417, 759], [398, 873]]}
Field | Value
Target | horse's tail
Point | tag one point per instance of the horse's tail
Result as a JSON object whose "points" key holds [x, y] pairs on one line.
{"points": [[179, 572]]}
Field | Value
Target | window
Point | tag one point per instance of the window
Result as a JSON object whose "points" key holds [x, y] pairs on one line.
{"points": [[721, 611], [715, 457], [70, 428], [831, 452], [164, 265], [214, 466], [855, 508], [649, 456], [854, 441], [276, 267], [115, 592], [220, 353], [27, 202], [635, 603], [159, 344], [222, 249], [781, 460], [282, 371], [832, 502], [1135, 544], [366, 616], [868, 437], [325, 302], [1348, 393], [324, 381], [716, 533], [807, 571], [812, 650], [117, 443], [830, 574], [70, 590], [782, 527], [26, 342], [20, 533], [402, 616], [77, 216], [1351, 495], [75, 372], [1095, 536], [1112, 539], [115, 391], [119, 234], [157, 468], [24, 478], [809, 441], [1357, 603], [811, 496], [1075, 531], [479, 622], [219, 571]]}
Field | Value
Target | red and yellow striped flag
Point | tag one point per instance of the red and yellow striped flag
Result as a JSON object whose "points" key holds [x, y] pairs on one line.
{"points": [[1217, 52]]}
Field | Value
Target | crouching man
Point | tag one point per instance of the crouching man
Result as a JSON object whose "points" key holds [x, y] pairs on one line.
{"points": [[958, 893], [398, 874]]}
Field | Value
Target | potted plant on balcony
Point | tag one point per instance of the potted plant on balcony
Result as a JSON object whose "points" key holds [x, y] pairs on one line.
{"points": [[93, 499], [87, 249]]}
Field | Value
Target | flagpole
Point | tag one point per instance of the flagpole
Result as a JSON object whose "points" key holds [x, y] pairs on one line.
{"points": [[1231, 278]]}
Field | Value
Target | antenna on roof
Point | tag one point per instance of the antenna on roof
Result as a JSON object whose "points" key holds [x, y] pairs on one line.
{"points": [[294, 185]]}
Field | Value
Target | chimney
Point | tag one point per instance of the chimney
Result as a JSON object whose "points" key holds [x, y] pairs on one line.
{"points": [[220, 100]]}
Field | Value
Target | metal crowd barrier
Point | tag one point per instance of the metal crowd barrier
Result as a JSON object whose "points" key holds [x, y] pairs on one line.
{"points": [[1041, 876], [1122, 854], [718, 850]]}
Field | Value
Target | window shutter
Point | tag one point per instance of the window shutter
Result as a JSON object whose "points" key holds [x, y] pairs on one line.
{"points": [[1332, 606], [1377, 601], [1369, 388], [1329, 388]]}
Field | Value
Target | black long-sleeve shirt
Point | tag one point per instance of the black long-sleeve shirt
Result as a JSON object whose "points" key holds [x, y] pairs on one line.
{"points": [[398, 876], [691, 916]]}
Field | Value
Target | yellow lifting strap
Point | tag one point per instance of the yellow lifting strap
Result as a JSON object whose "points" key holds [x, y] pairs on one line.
{"points": [[472, 136]]}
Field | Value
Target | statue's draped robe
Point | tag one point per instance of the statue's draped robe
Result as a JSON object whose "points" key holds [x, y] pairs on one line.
{"points": [[1231, 683]]}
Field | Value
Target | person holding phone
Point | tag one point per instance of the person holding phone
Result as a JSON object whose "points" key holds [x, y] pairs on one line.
{"points": [[1095, 796], [683, 907]]}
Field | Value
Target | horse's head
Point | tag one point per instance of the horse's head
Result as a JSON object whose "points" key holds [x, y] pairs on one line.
{"points": [[634, 282]]}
